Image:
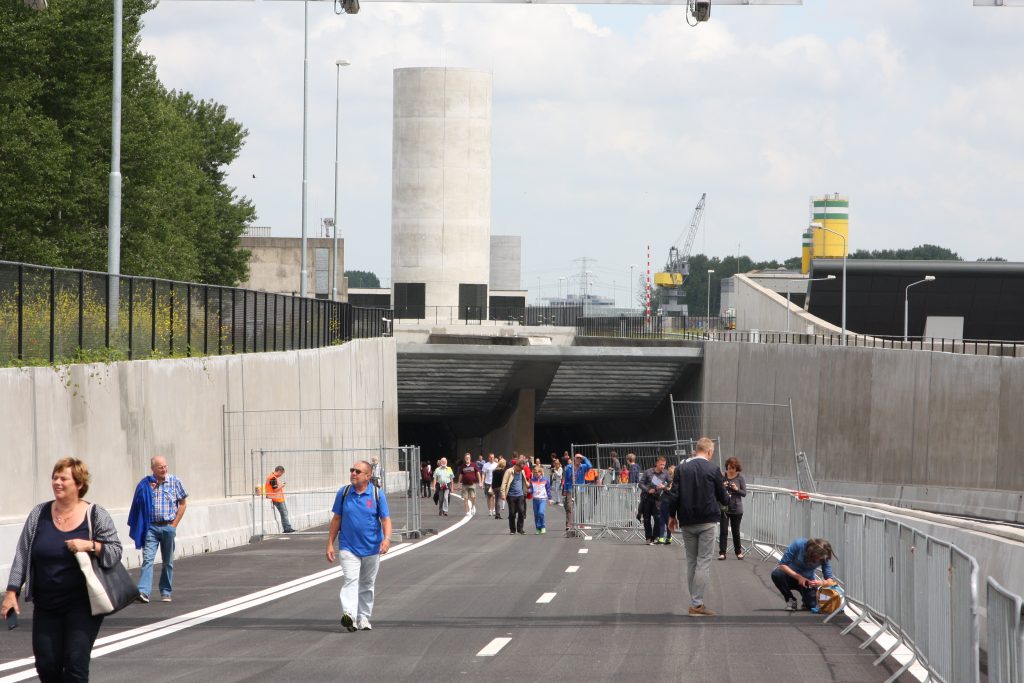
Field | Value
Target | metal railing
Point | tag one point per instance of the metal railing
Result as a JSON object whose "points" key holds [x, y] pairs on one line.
{"points": [[917, 588], [50, 315], [558, 316], [1005, 634], [600, 511]]}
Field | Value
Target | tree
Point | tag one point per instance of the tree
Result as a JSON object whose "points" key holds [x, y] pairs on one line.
{"points": [[362, 278], [923, 252], [180, 220]]}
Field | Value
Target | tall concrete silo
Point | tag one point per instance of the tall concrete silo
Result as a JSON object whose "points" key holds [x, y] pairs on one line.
{"points": [[441, 192]]}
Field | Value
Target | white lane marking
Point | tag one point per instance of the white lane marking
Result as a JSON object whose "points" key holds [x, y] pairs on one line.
{"points": [[136, 636], [572, 569], [494, 647], [583, 551], [546, 598]]}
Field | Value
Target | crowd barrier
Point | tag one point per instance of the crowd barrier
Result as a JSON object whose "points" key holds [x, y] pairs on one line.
{"points": [[900, 582]]}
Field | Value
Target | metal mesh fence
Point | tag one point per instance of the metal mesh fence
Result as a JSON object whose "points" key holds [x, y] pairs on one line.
{"points": [[1005, 634], [52, 315], [761, 435], [341, 430]]}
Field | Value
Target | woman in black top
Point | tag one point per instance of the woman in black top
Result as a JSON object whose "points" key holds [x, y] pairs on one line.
{"points": [[736, 490], [63, 628]]}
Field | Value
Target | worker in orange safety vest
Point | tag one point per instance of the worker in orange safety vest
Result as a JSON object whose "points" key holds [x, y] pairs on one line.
{"points": [[273, 489]]}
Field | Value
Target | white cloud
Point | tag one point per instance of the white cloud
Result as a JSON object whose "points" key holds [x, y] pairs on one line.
{"points": [[606, 131]]}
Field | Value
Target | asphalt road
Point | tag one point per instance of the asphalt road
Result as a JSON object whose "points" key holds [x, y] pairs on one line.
{"points": [[621, 615]]}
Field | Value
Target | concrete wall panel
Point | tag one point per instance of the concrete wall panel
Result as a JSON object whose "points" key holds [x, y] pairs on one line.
{"points": [[888, 445]]}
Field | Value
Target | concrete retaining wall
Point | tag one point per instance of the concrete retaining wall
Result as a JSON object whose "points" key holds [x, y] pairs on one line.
{"points": [[943, 430], [117, 416]]}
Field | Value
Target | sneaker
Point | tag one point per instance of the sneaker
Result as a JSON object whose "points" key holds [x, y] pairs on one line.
{"points": [[497, 516], [661, 540], [523, 533], [543, 530], [721, 556], [739, 556], [650, 542], [165, 598], [791, 605], [701, 611], [512, 533], [364, 625], [538, 532], [289, 531], [346, 621], [143, 598], [815, 610]]}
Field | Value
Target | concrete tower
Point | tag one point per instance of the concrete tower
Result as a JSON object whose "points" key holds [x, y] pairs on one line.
{"points": [[441, 192]]}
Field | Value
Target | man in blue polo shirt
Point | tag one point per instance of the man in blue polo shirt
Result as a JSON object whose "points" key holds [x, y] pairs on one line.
{"points": [[362, 518]]}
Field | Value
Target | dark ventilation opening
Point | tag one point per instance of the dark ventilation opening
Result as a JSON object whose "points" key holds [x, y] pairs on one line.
{"points": [[472, 302], [410, 300]]}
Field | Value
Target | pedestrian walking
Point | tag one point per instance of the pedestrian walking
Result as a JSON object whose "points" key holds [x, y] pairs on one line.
{"points": [[514, 487], [426, 477], [556, 479], [442, 486], [156, 512], [497, 478], [701, 495], [653, 483], [468, 477], [360, 530], [540, 487]]}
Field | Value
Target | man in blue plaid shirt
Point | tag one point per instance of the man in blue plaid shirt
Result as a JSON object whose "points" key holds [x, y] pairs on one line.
{"points": [[165, 495]]}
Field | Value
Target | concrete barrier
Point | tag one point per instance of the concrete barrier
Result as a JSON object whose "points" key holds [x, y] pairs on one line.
{"points": [[117, 416]]}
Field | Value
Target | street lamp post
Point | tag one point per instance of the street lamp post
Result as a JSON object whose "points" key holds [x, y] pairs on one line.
{"points": [[114, 183], [337, 111], [632, 267], [843, 238], [906, 302], [305, 146], [710, 272], [789, 290]]}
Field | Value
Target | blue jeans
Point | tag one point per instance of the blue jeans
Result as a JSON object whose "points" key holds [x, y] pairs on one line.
{"points": [[282, 510], [538, 512], [161, 536]]}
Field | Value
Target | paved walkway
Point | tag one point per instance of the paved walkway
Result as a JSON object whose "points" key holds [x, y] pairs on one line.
{"points": [[621, 615]]}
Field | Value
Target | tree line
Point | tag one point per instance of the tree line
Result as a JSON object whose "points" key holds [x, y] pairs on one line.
{"points": [[180, 219]]}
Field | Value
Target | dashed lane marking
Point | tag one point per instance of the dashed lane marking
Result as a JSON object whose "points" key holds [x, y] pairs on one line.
{"points": [[494, 647], [572, 569], [546, 598]]}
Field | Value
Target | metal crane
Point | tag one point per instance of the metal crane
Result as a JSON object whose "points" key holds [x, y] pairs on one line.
{"points": [[678, 265]]}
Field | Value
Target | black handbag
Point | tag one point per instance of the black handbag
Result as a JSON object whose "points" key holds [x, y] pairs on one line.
{"points": [[110, 588]]}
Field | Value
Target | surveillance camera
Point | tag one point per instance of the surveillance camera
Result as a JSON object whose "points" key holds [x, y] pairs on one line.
{"points": [[350, 6], [702, 10]]}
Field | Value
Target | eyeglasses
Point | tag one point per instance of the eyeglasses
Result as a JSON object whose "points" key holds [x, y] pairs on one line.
{"points": [[355, 470]]}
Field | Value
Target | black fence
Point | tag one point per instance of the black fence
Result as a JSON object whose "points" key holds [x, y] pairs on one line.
{"points": [[52, 315]]}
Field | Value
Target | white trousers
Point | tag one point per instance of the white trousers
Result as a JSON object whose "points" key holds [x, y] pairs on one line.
{"points": [[357, 585]]}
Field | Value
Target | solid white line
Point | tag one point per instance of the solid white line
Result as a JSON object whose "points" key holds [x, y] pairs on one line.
{"points": [[583, 551], [546, 598], [136, 636], [572, 569], [494, 647]]}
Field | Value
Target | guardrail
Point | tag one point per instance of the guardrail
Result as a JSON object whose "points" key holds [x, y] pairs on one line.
{"points": [[1005, 634], [600, 511], [50, 315]]}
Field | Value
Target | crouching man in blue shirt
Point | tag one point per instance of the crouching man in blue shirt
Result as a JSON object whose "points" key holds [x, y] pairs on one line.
{"points": [[361, 516], [796, 570]]}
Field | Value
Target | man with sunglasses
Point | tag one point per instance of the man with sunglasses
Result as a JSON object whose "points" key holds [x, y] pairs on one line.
{"points": [[362, 526]]}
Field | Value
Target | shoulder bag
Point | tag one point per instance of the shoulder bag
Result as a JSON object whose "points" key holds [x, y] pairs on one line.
{"points": [[110, 589]]}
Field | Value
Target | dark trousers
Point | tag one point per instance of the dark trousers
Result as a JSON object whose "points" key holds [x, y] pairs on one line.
{"points": [[62, 642], [787, 584], [649, 511], [516, 513], [666, 512], [425, 489], [730, 519]]}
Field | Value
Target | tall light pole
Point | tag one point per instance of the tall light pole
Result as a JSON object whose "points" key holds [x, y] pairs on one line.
{"points": [[305, 146], [710, 273], [841, 236], [906, 301], [632, 267], [560, 280], [337, 112], [789, 291]]}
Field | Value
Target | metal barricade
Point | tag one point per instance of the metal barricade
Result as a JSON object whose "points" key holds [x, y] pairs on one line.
{"points": [[1005, 634], [607, 511], [919, 589]]}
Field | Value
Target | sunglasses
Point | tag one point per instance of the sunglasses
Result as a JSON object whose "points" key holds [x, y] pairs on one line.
{"points": [[355, 470]]}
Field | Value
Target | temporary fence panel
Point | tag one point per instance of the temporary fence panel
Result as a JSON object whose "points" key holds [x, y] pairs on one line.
{"points": [[313, 478], [762, 435], [646, 452], [607, 510], [1005, 634], [337, 429]]}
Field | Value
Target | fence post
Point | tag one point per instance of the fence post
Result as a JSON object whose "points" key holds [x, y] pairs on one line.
{"points": [[81, 310], [206, 319], [220, 321], [266, 308], [245, 321], [188, 319], [131, 317], [53, 312], [21, 311], [152, 320], [233, 331], [170, 329]]}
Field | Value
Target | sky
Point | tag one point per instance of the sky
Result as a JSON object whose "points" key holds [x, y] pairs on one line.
{"points": [[610, 121]]}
